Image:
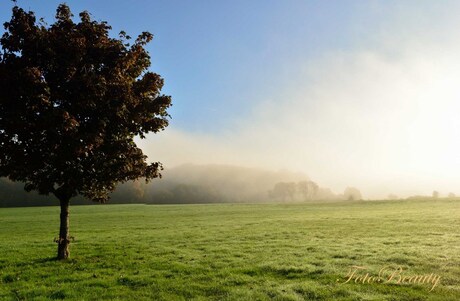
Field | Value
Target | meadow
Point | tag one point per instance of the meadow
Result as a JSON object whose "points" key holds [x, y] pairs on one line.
{"points": [[232, 251]]}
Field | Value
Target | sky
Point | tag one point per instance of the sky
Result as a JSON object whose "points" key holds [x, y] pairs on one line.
{"points": [[352, 93]]}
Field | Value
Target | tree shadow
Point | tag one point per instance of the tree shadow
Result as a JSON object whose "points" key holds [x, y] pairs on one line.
{"points": [[33, 262]]}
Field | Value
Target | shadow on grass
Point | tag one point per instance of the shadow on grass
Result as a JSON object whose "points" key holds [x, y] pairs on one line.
{"points": [[39, 262]]}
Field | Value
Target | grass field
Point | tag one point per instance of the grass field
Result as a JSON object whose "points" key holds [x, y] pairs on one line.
{"points": [[231, 252]]}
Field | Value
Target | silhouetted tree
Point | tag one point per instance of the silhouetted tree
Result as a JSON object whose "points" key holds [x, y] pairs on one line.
{"points": [[352, 194], [302, 188], [283, 191], [313, 190], [308, 190], [72, 99], [435, 194]]}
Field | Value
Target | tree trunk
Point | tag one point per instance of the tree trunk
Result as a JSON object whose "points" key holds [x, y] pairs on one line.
{"points": [[64, 238]]}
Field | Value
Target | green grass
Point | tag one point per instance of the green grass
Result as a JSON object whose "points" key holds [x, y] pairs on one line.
{"points": [[230, 252]]}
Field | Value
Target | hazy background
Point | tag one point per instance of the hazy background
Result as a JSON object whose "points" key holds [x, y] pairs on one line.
{"points": [[351, 93]]}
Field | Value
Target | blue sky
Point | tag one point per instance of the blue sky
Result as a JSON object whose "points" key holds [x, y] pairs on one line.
{"points": [[219, 57], [353, 93]]}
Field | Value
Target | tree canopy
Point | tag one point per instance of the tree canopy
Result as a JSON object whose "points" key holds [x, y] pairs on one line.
{"points": [[72, 100]]}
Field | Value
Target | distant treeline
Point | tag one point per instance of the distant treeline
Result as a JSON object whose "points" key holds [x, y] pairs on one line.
{"points": [[305, 191], [191, 184]]}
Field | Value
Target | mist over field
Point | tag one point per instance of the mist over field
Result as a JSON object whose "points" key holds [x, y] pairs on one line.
{"points": [[198, 184], [381, 115]]}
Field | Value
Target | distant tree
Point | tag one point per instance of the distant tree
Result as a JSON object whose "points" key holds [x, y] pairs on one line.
{"points": [[325, 194], [302, 188], [308, 190], [291, 188], [283, 191], [187, 193], [352, 194], [435, 194], [278, 191], [313, 190], [452, 195], [72, 99]]}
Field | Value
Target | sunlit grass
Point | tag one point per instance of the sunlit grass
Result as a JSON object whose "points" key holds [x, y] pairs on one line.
{"points": [[230, 252]]}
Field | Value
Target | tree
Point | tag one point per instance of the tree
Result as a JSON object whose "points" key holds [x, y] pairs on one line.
{"points": [[313, 190], [308, 190], [283, 191], [352, 194], [302, 187], [72, 100], [435, 194]]}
